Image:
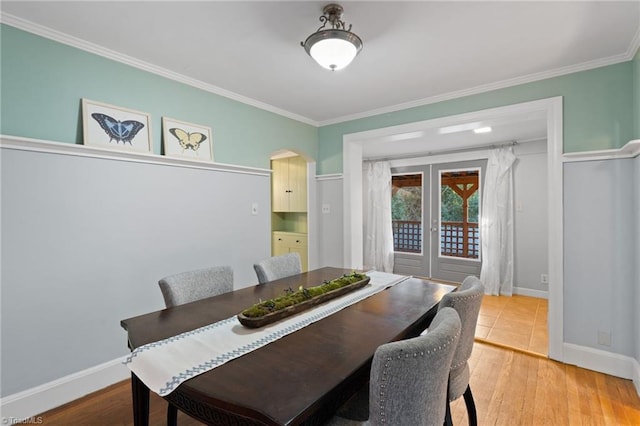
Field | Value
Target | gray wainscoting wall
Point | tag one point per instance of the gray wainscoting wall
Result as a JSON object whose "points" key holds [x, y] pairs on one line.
{"points": [[85, 241], [599, 267]]}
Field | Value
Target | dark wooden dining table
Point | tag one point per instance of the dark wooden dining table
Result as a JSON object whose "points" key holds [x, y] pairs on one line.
{"points": [[301, 378]]}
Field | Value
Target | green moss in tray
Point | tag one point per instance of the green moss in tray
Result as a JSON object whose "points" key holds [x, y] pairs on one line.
{"points": [[291, 297]]}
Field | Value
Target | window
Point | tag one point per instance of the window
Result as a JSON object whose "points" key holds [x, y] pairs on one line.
{"points": [[406, 212], [459, 207]]}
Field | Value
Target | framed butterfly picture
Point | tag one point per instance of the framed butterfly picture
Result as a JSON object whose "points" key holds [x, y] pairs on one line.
{"points": [[113, 127], [186, 140]]}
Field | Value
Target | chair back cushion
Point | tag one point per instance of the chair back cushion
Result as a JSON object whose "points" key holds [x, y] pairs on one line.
{"points": [[278, 267], [408, 383], [466, 300], [190, 286]]}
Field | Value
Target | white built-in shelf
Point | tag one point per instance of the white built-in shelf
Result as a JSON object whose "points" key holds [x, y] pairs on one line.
{"points": [[61, 148]]}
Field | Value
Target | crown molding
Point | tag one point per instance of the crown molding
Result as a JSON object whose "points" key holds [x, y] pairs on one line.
{"points": [[634, 46], [77, 150], [96, 49], [63, 38], [530, 78]]}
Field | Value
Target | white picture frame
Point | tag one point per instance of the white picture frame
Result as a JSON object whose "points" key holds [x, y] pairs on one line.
{"points": [[186, 140], [113, 127]]}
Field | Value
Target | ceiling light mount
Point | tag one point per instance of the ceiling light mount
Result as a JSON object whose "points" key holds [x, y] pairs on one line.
{"points": [[332, 47]]}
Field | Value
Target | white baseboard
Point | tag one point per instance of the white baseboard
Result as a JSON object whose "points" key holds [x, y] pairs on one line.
{"points": [[636, 375], [41, 398], [610, 363], [531, 293]]}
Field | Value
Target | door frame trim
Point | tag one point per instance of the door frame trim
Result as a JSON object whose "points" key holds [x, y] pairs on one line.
{"points": [[552, 108]]}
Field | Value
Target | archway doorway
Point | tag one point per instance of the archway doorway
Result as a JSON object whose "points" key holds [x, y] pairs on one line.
{"points": [[550, 109]]}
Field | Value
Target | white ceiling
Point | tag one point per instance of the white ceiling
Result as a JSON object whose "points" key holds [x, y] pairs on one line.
{"points": [[414, 52]]}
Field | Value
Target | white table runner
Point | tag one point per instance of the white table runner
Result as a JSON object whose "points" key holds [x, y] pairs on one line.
{"points": [[163, 365]]}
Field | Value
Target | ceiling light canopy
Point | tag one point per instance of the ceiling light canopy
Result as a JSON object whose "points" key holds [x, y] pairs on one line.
{"points": [[333, 48]]}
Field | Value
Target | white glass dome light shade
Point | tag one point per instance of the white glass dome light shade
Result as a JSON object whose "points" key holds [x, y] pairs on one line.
{"points": [[333, 49], [333, 54]]}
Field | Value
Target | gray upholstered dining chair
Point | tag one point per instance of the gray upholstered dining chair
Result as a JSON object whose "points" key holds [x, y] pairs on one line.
{"points": [[466, 300], [278, 267], [190, 286], [408, 380]]}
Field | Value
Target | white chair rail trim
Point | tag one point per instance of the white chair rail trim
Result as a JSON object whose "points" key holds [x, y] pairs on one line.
{"points": [[44, 146], [630, 150]]}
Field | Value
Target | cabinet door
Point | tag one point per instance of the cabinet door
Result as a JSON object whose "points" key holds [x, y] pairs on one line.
{"points": [[290, 242], [297, 184], [280, 185], [299, 245], [279, 244]]}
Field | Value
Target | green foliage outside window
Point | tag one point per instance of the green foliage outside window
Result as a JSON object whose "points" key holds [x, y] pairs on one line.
{"points": [[451, 206], [406, 204]]}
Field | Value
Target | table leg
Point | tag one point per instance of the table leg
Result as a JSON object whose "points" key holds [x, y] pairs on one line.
{"points": [[140, 393]]}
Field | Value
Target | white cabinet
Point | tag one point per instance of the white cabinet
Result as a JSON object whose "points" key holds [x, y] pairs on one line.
{"points": [[289, 185], [290, 242]]}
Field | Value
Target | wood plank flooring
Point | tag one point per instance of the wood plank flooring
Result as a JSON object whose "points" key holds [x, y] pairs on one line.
{"points": [[517, 321], [510, 387], [514, 388]]}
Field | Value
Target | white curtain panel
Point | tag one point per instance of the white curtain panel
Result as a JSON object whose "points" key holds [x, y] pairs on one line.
{"points": [[497, 223], [378, 233]]}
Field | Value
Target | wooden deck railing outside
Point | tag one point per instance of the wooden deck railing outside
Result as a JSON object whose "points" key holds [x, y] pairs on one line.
{"points": [[457, 239]]}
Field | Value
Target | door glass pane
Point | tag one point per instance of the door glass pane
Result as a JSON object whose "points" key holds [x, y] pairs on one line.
{"points": [[406, 212], [459, 207]]}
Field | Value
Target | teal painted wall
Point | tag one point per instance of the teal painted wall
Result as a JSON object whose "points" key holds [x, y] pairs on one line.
{"points": [[43, 82], [598, 111]]}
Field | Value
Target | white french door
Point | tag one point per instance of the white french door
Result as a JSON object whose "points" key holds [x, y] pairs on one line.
{"points": [[436, 210]]}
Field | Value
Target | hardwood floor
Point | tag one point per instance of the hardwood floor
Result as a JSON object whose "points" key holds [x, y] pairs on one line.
{"points": [[510, 387], [515, 388], [519, 322]]}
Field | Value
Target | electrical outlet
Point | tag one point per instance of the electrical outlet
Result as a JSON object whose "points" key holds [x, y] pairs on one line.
{"points": [[604, 338], [326, 208], [544, 279]]}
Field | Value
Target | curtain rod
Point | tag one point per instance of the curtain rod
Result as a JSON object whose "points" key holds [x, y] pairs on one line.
{"points": [[443, 151]]}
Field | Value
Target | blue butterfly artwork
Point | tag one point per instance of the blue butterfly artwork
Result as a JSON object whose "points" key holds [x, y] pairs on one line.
{"points": [[120, 131]]}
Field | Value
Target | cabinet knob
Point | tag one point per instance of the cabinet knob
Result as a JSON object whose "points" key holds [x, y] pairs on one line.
{"points": [[297, 241]]}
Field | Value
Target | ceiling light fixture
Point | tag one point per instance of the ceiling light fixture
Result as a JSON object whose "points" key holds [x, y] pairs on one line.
{"points": [[482, 130], [333, 48]]}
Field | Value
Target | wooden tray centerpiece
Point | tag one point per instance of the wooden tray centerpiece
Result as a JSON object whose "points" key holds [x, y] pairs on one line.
{"points": [[293, 302]]}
